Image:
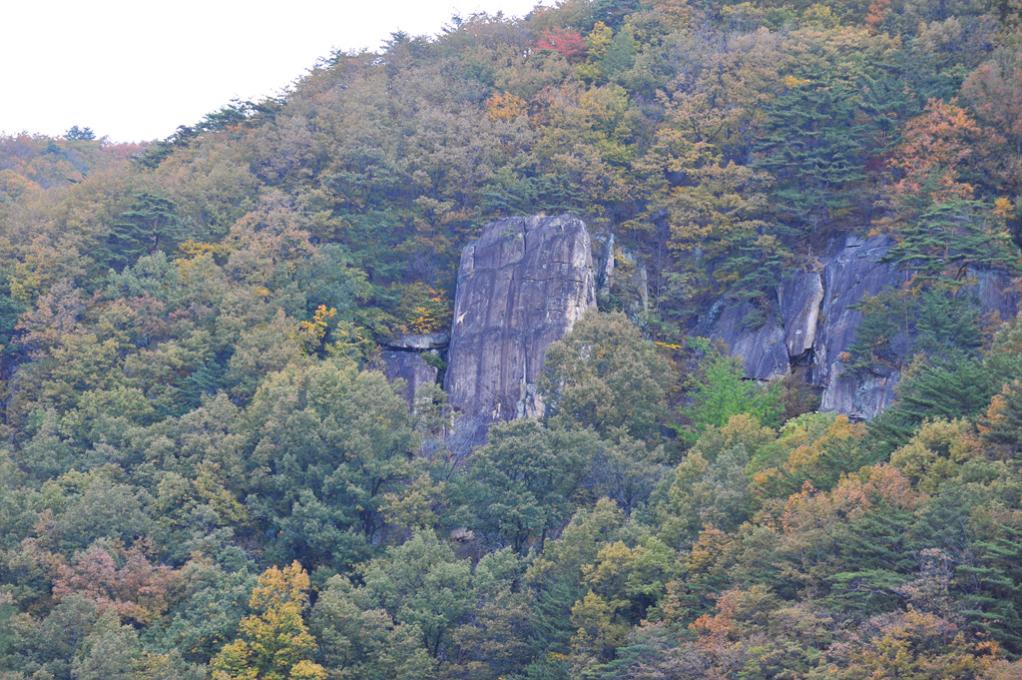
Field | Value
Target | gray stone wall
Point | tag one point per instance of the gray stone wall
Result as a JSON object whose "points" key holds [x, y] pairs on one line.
{"points": [[521, 286]]}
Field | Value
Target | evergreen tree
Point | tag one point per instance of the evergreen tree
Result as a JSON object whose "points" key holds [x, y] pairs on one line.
{"points": [[950, 238], [84, 134], [813, 146], [879, 548], [991, 587], [148, 225], [949, 387]]}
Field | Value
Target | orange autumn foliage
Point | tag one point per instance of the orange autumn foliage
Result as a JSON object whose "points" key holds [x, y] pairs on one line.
{"points": [[118, 579], [504, 106], [936, 145]]}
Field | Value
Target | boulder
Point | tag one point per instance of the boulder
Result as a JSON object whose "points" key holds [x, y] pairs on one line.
{"points": [[521, 286]]}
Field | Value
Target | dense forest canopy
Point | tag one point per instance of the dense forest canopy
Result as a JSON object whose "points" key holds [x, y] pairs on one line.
{"points": [[203, 475]]}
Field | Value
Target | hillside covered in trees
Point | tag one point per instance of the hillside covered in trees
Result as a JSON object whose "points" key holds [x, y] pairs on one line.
{"points": [[205, 474]]}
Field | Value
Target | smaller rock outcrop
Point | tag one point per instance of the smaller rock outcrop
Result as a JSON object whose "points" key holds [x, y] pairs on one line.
{"points": [[521, 286], [414, 359], [815, 317], [414, 368], [812, 322], [622, 281]]}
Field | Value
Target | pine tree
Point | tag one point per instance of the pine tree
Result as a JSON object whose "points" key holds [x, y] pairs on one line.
{"points": [[950, 238], [950, 387], [992, 585], [84, 134], [148, 225], [877, 556], [813, 147]]}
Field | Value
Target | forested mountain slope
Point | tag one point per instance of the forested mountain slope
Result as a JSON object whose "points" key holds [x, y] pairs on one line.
{"points": [[203, 473]]}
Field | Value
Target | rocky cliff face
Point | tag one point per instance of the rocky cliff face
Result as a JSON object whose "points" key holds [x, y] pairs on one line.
{"points": [[521, 286], [816, 318], [757, 342], [857, 270], [525, 281]]}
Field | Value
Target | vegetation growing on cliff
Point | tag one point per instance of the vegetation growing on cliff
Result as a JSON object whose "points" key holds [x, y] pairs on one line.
{"points": [[202, 476]]}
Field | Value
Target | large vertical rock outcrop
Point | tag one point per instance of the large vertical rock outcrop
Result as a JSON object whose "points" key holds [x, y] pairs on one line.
{"points": [[521, 286]]}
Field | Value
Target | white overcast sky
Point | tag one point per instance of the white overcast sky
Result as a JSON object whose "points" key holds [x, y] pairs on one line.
{"points": [[136, 69]]}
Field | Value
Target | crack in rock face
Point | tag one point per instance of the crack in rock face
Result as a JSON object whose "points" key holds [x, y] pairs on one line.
{"points": [[521, 286]]}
